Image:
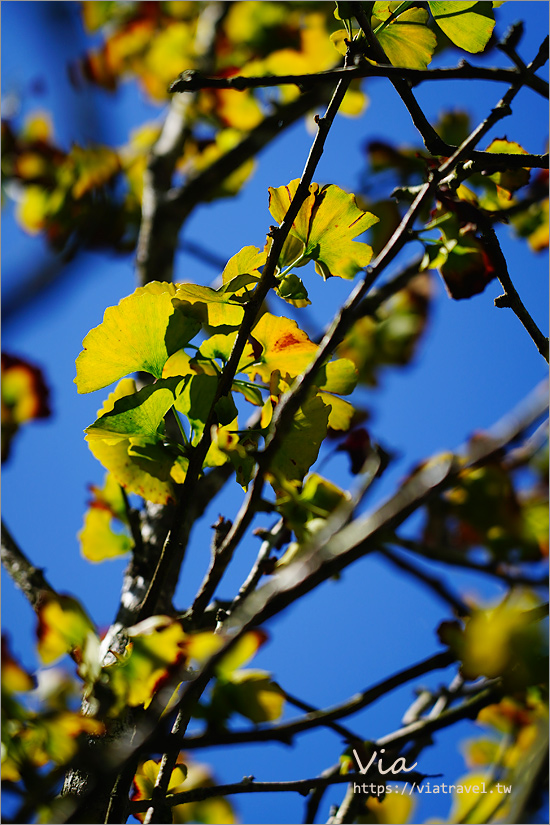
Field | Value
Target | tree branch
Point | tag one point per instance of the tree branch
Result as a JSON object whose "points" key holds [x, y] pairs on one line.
{"points": [[159, 228], [285, 731], [249, 785], [511, 298], [26, 576], [193, 81], [355, 540], [267, 280]]}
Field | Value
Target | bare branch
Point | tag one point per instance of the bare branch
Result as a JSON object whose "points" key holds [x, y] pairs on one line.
{"points": [[249, 785], [193, 81], [27, 577], [285, 731], [511, 298]]}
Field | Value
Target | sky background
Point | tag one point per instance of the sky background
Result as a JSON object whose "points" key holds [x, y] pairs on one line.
{"points": [[474, 363]]}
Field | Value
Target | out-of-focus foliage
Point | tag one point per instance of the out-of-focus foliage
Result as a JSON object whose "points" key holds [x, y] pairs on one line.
{"points": [[25, 397]]}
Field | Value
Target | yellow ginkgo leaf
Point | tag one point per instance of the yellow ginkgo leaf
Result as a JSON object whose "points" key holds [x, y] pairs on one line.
{"points": [[326, 224], [139, 334]]}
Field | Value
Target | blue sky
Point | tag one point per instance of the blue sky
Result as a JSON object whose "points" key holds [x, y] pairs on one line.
{"points": [[473, 365]]}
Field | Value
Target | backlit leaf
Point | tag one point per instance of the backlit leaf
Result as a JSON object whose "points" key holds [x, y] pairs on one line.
{"points": [[138, 414], [246, 262], [251, 693], [214, 308], [287, 349], [324, 229], [407, 40], [186, 776], [156, 646], [302, 442], [62, 626], [140, 333], [467, 25], [510, 179], [25, 396], [474, 805], [112, 451]]}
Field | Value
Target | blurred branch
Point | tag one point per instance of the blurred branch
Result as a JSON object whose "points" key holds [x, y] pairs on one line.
{"points": [[193, 81], [363, 535], [159, 228], [455, 558], [27, 577], [436, 585]]}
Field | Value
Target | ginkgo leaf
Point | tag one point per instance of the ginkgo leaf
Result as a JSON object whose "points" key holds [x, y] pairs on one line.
{"points": [[325, 226], [316, 499], [63, 626], [288, 349], [241, 653], [212, 307], [251, 693], [156, 646], [407, 40], [139, 334], [15, 678], [186, 776], [196, 399], [341, 411], [292, 290], [112, 451], [301, 444], [98, 539], [509, 180], [246, 262], [467, 25], [138, 414]]}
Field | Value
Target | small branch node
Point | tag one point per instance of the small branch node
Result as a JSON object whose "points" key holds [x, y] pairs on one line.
{"points": [[503, 301]]}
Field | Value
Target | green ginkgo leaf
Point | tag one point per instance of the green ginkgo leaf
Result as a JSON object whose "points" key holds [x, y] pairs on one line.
{"points": [[139, 414], [138, 334], [112, 449], [302, 442], [196, 399], [407, 40], [467, 25], [324, 229]]}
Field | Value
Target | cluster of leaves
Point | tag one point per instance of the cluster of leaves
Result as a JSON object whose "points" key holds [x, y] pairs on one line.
{"points": [[454, 233], [91, 195], [487, 509], [153, 329]]}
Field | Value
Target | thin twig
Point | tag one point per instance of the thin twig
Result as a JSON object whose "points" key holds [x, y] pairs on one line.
{"points": [[511, 298], [455, 558], [285, 731], [266, 282], [257, 569]]}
